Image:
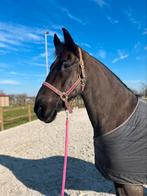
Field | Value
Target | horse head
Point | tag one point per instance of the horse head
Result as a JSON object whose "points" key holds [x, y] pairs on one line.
{"points": [[64, 71]]}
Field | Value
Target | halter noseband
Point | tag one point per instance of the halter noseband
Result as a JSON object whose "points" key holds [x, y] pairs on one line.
{"points": [[64, 95]]}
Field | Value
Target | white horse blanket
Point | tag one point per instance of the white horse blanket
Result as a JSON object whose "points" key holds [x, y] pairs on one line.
{"points": [[121, 154]]}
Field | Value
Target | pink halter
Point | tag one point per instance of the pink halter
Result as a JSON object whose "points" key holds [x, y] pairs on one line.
{"points": [[64, 95]]}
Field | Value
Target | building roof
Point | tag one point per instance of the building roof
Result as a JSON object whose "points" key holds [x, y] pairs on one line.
{"points": [[3, 95]]}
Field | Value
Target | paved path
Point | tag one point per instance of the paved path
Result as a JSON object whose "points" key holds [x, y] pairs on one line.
{"points": [[31, 159]]}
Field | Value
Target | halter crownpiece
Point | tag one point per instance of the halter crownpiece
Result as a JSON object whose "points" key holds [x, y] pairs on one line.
{"points": [[64, 95], [83, 76]]}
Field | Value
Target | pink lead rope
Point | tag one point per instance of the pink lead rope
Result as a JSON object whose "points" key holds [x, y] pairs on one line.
{"points": [[65, 157]]}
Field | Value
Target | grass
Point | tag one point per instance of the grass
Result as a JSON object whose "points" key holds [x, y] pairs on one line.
{"points": [[17, 115]]}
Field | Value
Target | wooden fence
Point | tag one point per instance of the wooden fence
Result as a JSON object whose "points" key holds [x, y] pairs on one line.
{"points": [[1, 119], [12, 116]]}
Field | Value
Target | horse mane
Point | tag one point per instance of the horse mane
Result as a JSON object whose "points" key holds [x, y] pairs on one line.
{"points": [[106, 67]]}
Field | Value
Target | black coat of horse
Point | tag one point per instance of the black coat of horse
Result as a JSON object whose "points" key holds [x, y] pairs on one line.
{"points": [[109, 102]]}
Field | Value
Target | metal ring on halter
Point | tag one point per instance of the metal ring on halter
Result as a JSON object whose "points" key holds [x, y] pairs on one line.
{"points": [[64, 96]]}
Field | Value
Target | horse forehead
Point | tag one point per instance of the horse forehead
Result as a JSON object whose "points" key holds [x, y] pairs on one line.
{"points": [[55, 63], [64, 53]]}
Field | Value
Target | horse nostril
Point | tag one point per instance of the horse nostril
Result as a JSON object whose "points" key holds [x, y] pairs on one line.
{"points": [[39, 110]]}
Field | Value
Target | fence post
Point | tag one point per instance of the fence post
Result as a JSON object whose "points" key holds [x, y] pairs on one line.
{"points": [[29, 113], [1, 119]]}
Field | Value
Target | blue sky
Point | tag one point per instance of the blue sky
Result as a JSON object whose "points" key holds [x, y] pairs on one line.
{"points": [[115, 32]]}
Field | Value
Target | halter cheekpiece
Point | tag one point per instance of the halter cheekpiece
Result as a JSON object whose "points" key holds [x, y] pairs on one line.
{"points": [[81, 80]]}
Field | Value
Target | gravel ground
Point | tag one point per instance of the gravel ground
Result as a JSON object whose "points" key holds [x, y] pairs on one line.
{"points": [[31, 159]]}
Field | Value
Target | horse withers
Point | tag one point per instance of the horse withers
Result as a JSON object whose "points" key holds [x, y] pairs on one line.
{"points": [[118, 117]]}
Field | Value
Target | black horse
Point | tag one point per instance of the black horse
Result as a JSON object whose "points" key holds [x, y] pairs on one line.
{"points": [[114, 111]]}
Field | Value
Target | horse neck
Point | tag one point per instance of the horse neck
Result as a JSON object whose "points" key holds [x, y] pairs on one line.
{"points": [[107, 100]]}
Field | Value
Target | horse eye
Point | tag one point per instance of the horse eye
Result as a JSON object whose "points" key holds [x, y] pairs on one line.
{"points": [[68, 57], [64, 60], [66, 64]]}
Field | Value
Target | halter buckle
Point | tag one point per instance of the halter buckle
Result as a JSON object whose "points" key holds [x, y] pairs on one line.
{"points": [[83, 81], [64, 96]]}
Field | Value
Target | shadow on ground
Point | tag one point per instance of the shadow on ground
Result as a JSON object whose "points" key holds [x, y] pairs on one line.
{"points": [[45, 175]]}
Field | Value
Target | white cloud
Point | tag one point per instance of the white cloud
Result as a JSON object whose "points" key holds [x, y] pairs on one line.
{"points": [[143, 57], [111, 20], [132, 18], [32, 36], [57, 27], [3, 45], [20, 31], [137, 45], [120, 56], [137, 48], [9, 82], [3, 52], [13, 36], [4, 65], [16, 73], [25, 75], [85, 44], [42, 55], [91, 54], [19, 37], [37, 64], [102, 54], [133, 81], [145, 31], [6, 38], [101, 3], [39, 75], [7, 46], [71, 16], [135, 84]]}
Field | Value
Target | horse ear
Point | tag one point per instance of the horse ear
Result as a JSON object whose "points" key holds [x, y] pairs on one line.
{"points": [[69, 42], [57, 41], [67, 37]]}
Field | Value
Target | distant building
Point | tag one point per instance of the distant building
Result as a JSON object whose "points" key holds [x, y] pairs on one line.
{"points": [[21, 99], [4, 100]]}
